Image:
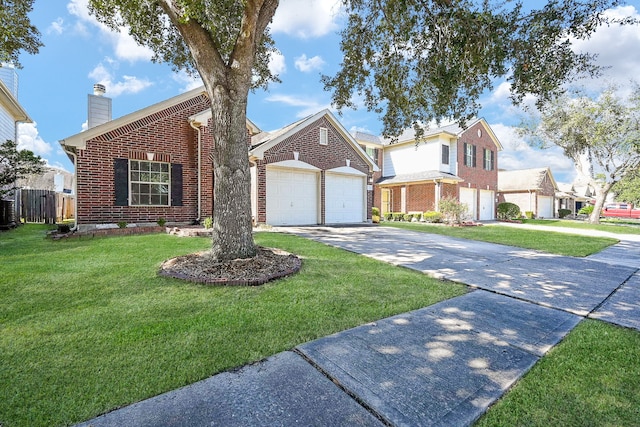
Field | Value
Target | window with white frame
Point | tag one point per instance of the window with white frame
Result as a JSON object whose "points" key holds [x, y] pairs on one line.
{"points": [[324, 136], [470, 155], [488, 159], [150, 183]]}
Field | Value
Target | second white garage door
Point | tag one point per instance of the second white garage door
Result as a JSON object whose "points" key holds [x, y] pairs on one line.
{"points": [[468, 197], [545, 207], [344, 198], [292, 197], [486, 205]]}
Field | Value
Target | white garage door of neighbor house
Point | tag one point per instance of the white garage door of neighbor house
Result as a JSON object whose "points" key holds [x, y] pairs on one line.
{"points": [[292, 197], [545, 207], [468, 197], [486, 205], [344, 198]]}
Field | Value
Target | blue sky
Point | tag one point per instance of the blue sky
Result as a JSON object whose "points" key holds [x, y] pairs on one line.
{"points": [[79, 52]]}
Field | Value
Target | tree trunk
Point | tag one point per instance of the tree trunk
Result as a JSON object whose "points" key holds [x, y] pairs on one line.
{"points": [[232, 225], [601, 196]]}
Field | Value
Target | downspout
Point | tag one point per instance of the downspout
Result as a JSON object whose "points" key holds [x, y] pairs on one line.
{"points": [[75, 186], [196, 126], [438, 194]]}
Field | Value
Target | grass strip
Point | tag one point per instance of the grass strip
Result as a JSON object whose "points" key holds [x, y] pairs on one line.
{"points": [[592, 378], [608, 225], [87, 326], [555, 243]]}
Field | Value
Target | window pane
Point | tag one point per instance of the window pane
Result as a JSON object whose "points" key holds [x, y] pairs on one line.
{"points": [[155, 167], [135, 165], [164, 167]]}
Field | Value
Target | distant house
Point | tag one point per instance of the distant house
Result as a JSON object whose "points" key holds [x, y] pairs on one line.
{"points": [[154, 163], [533, 190], [445, 162]]}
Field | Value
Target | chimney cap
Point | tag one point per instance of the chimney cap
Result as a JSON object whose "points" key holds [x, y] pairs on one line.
{"points": [[99, 89]]}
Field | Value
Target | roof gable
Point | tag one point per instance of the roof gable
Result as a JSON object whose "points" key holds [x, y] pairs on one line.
{"points": [[12, 106], [524, 179], [266, 140]]}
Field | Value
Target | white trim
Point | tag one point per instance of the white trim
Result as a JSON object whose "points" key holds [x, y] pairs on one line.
{"points": [[347, 170], [293, 164]]}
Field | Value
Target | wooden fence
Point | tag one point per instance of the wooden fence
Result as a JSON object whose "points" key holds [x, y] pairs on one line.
{"points": [[43, 206]]}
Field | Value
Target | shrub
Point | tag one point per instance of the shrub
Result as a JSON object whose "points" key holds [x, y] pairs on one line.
{"points": [[208, 223], [529, 214], [375, 219], [375, 211], [562, 213], [586, 210], [417, 217], [122, 224], [508, 210], [407, 217], [453, 212], [432, 216], [397, 216], [388, 216], [162, 222]]}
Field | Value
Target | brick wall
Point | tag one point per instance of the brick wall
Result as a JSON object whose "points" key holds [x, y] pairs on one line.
{"points": [[324, 157], [477, 177], [169, 137]]}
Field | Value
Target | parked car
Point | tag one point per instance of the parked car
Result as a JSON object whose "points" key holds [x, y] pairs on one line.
{"points": [[621, 210]]}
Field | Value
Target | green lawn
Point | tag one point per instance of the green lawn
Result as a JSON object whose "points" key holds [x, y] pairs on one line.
{"points": [[87, 326], [592, 378], [608, 225], [556, 243]]}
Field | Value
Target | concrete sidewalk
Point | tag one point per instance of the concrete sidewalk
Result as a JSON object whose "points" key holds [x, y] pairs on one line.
{"points": [[442, 365]]}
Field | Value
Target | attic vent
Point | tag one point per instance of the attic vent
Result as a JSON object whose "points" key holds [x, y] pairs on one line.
{"points": [[324, 136]]}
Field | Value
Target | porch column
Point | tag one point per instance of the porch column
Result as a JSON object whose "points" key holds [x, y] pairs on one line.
{"points": [[438, 195]]}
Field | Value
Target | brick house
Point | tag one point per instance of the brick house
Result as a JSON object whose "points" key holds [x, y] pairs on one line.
{"points": [[533, 190], [445, 162], [154, 163]]}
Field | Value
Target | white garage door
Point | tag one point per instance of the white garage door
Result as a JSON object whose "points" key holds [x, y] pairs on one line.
{"points": [[344, 199], [292, 197], [468, 197], [486, 205], [545, 207]]}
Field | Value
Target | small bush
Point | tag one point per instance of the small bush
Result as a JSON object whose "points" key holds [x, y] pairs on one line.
{"points": [[375, 211], [388, 216], [432, 216], [453, 212], [562, 213], [208, 223], [161, 222], [529, 214], [407, 217], [375, 219], [122, 224], [508, 210], [397, 216], [586, 210], [417, 217]]}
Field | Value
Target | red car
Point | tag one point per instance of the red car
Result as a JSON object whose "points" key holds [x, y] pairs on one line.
{"points": [[621, 210]]}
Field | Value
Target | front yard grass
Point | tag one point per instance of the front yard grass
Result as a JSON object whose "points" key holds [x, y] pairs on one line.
{"points": [[556, 243], [609, 225], [87, 326], [592, 378]]}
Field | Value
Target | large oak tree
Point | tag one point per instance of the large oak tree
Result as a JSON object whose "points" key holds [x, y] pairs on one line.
{"points": [[601, 134], [410, 60]]}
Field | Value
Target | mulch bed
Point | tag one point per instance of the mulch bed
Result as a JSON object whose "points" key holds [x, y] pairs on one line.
{"points": [[267, 265]]}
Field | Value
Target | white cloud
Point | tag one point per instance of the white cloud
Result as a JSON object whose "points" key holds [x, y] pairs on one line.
{"points": [[124, 46], [517, 154], [56, 27], [187, 81], [307, 105], [29, 139], [616, 47], [306, 18], [307, 65], [277, 64], [127, 84]]}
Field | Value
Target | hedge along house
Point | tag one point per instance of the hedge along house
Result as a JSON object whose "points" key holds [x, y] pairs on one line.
{"points": [[446, 162], [154, 163]]}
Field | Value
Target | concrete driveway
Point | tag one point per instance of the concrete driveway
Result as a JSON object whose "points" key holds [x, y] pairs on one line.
{"points": [[604, 286]]}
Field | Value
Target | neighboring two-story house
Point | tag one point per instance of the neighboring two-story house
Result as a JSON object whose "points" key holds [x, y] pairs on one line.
{"points": [[445, 162]]}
